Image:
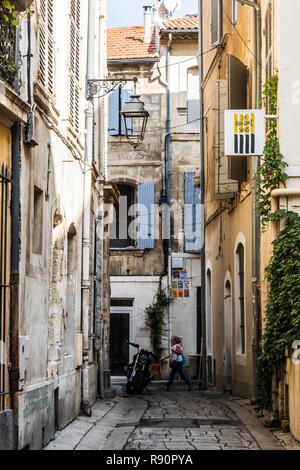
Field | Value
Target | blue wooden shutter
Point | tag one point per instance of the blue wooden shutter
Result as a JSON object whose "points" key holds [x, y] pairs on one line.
{"points": [[114, 105], [146, 215], [125, 96], [192, 215]]}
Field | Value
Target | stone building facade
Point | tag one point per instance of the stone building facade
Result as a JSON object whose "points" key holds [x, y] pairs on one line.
{"points": [[55, 351], [252, 42], [14, 110], [164, 60], [228, 83], [279, 41]]}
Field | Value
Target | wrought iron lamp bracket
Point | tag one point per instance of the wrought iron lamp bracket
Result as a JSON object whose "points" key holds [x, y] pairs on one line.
{"points": [[98, 88]]}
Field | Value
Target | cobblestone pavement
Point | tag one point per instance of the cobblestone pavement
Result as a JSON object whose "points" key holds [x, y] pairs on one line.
{"points": [[179, 420], [158, 420]]}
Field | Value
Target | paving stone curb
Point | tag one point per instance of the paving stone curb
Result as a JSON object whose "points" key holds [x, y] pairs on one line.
{"points": [[263, 436]]}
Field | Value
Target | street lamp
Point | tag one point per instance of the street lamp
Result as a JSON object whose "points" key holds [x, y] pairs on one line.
{"points": [[135, 119], [134, 115]]}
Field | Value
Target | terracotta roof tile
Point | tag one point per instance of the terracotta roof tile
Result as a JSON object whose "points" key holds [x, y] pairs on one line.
{"points": [[128, 43], [188, 22]]}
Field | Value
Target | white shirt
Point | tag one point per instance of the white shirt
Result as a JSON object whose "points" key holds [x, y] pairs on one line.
{"points": [[174, 356]]}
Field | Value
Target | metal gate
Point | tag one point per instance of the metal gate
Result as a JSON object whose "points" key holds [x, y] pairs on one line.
{"points": [[4, 283]]}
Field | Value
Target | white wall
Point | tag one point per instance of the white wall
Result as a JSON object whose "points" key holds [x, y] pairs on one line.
{"points": [[289, 86]]}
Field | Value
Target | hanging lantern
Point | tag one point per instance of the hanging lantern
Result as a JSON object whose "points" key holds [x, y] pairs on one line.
{"points": [[135, 119]]}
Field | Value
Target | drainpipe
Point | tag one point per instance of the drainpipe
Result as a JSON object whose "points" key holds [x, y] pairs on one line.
{"points": [[15, 274], [255, 216], [203, 378], [86, 242], [168, 149], [29, 56]]}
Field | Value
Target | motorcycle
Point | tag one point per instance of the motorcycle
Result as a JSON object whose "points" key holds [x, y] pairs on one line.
{"points": [[137, 372]]}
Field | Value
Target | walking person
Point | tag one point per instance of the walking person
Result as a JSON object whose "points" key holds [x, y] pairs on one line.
{"points": [[176, 363]]}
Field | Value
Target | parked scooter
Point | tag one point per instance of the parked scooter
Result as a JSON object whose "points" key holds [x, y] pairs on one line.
{"points": [[137, 372]]}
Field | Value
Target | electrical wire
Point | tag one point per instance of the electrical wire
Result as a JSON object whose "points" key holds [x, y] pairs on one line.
{"points": [[237, 31], [174, 63], [171, 128], [190, 58]]}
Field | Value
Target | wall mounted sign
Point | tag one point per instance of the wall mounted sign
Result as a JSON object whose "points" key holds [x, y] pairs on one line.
{"points": [[244, 132]]}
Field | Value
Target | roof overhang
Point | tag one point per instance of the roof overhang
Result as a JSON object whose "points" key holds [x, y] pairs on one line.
{"points": [[179, 31], [133, 61]]}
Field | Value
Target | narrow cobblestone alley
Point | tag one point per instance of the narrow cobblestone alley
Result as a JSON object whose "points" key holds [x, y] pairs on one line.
{"points": [[175, 420]]}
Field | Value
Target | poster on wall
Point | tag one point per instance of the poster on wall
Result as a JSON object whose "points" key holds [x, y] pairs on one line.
{"points": [[180, 284]]}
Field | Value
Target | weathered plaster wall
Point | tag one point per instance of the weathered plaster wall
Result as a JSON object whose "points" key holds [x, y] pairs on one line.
{"points": [[142, 290], [50, 277], [225, 220], [5, 159], [146, 164], [293, 371]]}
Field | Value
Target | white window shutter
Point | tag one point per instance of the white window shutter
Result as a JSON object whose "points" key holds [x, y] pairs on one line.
{"points": [[46, 45], [269, 41], [146, 216], [216, 22], [224, 186], [50, 65], [42, 54], [75, 64]]}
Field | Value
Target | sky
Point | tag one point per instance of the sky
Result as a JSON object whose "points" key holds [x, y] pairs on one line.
{"points": [[130, 12]]}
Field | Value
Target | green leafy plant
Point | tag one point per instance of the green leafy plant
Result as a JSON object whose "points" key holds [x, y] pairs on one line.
{"points": [[270, 174], [283, 305], [155, 319], [282, 310], [8, 26]]}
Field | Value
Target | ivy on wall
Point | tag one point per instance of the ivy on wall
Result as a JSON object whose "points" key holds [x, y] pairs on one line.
{"points": [[282, 310], [283, 304], [8, 27], [270, 174], [155, 319]]}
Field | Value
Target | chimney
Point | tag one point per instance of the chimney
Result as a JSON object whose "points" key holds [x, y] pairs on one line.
{"points": [[147, 24]]}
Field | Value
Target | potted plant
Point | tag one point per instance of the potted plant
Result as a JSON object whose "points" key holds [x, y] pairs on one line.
{"points": [[154, 320]]}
